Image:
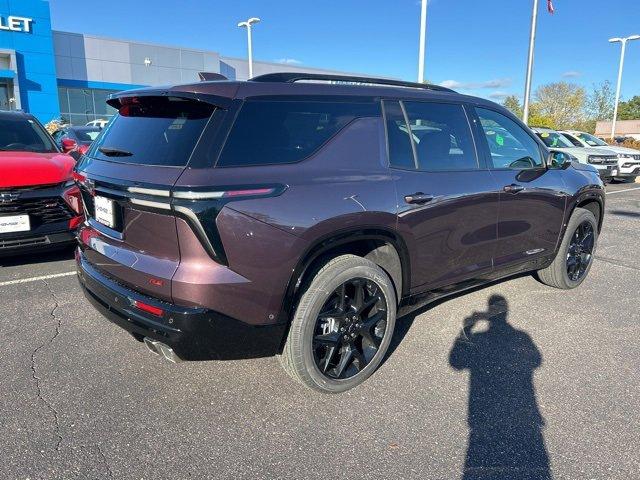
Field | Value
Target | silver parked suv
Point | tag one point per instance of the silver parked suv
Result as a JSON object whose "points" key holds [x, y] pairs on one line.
{"points": [[606, 161]]}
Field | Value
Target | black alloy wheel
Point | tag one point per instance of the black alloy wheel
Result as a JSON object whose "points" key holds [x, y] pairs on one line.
{"points": [[580, 253], [349, 328]]}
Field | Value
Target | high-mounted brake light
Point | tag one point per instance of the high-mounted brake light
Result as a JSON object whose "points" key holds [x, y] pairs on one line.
{"points": [[158, 312]]}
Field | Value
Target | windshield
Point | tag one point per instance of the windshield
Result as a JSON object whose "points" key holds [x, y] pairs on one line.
{"points": [[153, 131], [554, 140], [591, 140], [20, 134], [87, 134]]}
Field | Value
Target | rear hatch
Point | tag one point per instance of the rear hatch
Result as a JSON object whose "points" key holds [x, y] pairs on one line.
{"points": [[126, 179]]}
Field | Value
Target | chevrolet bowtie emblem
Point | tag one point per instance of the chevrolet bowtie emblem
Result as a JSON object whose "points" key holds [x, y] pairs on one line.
{"points": [[8, 197]]}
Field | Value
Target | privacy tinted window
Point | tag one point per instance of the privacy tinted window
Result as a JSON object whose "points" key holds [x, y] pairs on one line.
{"points": [[274, 132], [153, 131], [442, 136], [510, 145]]}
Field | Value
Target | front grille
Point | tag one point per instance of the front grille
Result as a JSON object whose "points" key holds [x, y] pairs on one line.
{"points": [[41, 210], [602, 160]]}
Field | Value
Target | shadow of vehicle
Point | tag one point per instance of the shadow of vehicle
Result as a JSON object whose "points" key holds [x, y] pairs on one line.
{"points": [[625, 213], [55, 255], [505, 425]]}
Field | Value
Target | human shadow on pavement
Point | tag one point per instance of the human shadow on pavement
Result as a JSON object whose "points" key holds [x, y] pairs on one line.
{"points": [[505, 424]]}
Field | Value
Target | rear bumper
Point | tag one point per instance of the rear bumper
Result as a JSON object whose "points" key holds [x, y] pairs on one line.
{"points": [[17, 245], [192, 333]]}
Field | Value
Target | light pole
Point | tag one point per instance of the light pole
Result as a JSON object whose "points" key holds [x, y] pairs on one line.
{"points": [[248, 24], [527, 84], [423, 40], [622, 52]]}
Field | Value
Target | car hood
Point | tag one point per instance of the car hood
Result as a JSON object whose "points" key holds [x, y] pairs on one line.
{"points": [[26, 169], [626, 150], [586, 150]]}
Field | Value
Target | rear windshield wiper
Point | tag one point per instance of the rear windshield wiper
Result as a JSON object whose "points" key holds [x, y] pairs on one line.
{"points": [[114, 152]]}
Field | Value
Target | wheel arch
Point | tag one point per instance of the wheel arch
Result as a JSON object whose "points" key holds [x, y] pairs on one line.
{"points": [[380, 245]]}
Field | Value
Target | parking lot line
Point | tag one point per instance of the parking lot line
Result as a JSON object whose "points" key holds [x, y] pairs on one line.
{"points": [[625, 190], [35, 279]]}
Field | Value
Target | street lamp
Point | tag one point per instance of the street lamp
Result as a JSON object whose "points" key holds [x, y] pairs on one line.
{"points": [[623, 41], [248, 24]]}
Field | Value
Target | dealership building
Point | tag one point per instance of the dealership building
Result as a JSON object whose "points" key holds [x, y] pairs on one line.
{"points": [[54, 74]]}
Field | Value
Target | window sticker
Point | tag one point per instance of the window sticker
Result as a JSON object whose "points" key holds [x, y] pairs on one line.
{"points": [[499, 139]]}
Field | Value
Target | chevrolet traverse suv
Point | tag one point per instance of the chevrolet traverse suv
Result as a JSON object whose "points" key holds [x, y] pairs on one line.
{"points": [[299, 215]]}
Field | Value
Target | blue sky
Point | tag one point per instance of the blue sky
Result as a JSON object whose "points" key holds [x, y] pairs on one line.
{"points": [[478, 47]]}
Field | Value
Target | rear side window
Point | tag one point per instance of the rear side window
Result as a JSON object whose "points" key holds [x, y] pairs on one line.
{"points": [[153, 131], [437, 134], [268, 132]]}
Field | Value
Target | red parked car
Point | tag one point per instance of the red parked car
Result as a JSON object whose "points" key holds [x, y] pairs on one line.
{"points": [[40, 206]]}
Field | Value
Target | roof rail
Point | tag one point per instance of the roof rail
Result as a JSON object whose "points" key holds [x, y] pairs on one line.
{"points": [[291, 77]]}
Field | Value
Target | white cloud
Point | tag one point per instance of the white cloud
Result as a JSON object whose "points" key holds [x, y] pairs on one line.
{"points": [[571, 74], [496, 83], [499, 95], [289, 61]]}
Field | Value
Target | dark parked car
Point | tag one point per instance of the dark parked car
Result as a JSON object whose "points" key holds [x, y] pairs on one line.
{"points": [[76, 140], [277, 216]]}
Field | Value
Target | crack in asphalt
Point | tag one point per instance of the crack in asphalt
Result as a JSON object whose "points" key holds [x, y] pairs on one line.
{"points": [[617, 263], [104, 460], [34, 372]]}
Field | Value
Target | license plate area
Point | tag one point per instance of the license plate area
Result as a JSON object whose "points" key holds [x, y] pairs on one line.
{"points": [[107, 212], [15, 223]]}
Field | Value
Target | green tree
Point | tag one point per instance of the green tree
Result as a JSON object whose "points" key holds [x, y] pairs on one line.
{"points": [[513, 103], [561, 103], [600, 102], [629, 110]]}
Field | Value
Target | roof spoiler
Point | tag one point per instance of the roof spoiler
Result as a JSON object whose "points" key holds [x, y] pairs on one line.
{"points": [[291, 77], [211, 77]]}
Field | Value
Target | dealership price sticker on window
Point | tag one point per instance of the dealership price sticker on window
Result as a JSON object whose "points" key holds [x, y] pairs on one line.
{"points": [[16, 24]]}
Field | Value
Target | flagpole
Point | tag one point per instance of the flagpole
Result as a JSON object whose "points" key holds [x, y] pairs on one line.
{"points": [[423, 40], [527, 85]]}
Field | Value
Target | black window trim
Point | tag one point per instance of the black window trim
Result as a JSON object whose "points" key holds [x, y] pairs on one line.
{"points": [[480, 160], [485, 145]]}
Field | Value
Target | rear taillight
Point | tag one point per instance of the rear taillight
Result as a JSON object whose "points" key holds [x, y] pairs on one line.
{"points": [[145, 307], [73, 199]]}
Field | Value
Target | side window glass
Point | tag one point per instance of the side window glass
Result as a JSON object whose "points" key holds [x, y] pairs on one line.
{"points": [[442, 136], [510, 145], [398, 140]]}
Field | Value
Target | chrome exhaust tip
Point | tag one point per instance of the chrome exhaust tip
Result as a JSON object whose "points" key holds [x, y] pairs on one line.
{"points": [[159, 348]]}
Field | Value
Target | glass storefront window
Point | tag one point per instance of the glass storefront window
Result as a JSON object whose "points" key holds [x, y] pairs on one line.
{"points": [[78, 106]]}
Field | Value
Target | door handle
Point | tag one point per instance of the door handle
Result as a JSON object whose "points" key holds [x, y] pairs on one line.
{"points": [[513, 188], [418, 198]]}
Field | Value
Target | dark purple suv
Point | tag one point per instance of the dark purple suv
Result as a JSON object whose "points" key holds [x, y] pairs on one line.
{"points": [[300, 215]]}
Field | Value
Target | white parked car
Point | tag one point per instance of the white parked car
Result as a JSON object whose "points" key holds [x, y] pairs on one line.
{"points": [[101, 123], [606, 161], [628, 158]]}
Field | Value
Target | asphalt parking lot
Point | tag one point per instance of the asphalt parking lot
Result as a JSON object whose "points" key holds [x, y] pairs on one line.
{"points": [[552, 379]]}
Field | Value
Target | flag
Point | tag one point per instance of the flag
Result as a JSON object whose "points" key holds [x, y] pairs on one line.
{"points": [[550, 8]]}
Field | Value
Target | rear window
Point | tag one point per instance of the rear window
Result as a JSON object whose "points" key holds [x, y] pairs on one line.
{"points": [[270, 132], [153, 131]]}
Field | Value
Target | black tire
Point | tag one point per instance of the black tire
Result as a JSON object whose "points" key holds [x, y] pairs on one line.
{"points": [[558, 273], [300, 357]]}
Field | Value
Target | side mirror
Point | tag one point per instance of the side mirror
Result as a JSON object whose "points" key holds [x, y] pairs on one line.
{"points": [[68, 145], [558, 159]]}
